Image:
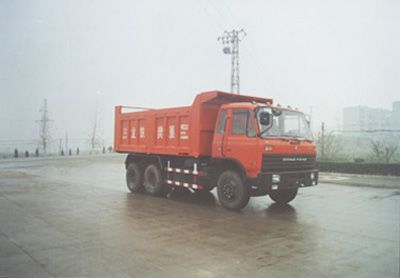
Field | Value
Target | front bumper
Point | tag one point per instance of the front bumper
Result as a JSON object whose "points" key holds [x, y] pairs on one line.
{"points": [[268, 181]]}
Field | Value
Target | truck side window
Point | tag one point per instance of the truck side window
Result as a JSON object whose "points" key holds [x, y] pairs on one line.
{"points": [[239, 122], [221, 122], [251, 132]]}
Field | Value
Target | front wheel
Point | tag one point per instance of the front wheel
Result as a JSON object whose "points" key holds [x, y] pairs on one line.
{"points": [[283, 196], [232, 192]]}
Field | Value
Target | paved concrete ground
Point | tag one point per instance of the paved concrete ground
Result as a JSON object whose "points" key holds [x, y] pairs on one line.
{"points": [[74, 217]]}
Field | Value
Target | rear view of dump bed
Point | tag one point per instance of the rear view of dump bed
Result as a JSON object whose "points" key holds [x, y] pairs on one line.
{"points": [[182, 131]]}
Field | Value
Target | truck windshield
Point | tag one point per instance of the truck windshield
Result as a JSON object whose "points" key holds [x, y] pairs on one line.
{"points": [[284, 123]]}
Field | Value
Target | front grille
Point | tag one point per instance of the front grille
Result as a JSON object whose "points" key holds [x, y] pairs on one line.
{"points": [[287, 162]]}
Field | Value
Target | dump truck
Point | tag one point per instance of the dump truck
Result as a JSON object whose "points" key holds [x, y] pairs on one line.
{"points": [[241, 145]]}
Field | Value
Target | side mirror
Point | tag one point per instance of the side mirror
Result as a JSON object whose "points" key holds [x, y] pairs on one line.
{"points": [[276, 112], [265, 118], [308, 120]]}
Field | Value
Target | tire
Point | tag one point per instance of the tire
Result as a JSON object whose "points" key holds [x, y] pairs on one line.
{"points": [[232, 192], [153, 183], [283, 196], [134, 177]]}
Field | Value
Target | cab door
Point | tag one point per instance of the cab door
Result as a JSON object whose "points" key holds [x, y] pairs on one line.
{"points": [[241, 141], [220, 134]]}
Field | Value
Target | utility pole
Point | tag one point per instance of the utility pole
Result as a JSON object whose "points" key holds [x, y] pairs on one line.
{"points": [[44, 133], [60, 146], [322, 140], [230, 41], [93, 137], [66, 142]]}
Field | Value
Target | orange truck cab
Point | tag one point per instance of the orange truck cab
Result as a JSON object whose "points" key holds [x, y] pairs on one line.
{"points": [[242, 145]]}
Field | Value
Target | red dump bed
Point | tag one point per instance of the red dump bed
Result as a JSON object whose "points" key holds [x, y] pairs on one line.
{"points": [[183, 131]]}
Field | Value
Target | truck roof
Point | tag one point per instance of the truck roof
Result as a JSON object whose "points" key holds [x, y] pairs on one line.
{"points": [[219, 97], [228, 100]]}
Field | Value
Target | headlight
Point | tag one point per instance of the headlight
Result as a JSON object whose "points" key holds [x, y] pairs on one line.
{"points": [[312, 175], [268, 148]]}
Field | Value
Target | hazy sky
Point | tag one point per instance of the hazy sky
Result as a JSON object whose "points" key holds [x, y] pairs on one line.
{"points": [[324, 54]]}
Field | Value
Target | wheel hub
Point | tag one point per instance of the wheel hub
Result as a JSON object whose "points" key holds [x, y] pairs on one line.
{"points": [[152, 179], [229, 191], [132, 178]]}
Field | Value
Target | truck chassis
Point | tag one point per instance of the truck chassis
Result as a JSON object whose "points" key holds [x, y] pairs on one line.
{"points": [[157, 175]]}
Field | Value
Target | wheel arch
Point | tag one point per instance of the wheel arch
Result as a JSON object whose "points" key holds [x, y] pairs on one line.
{"points": [[223, 164], [143, 160]]}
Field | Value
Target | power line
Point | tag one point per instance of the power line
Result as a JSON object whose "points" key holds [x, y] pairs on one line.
{"points": [[218, 21], [230, 41], [256, 66], [251, 51]]}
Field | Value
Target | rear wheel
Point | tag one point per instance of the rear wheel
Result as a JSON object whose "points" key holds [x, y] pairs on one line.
{"points": [[232, 192], [283, 196], [134, 177], [153, 183]]}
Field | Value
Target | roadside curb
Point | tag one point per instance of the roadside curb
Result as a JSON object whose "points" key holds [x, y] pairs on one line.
{"points": [[373, 181], [383, 186], [58, 157]]}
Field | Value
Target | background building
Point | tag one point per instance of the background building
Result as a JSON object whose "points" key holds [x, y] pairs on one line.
{"points": [[363, 118]]}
